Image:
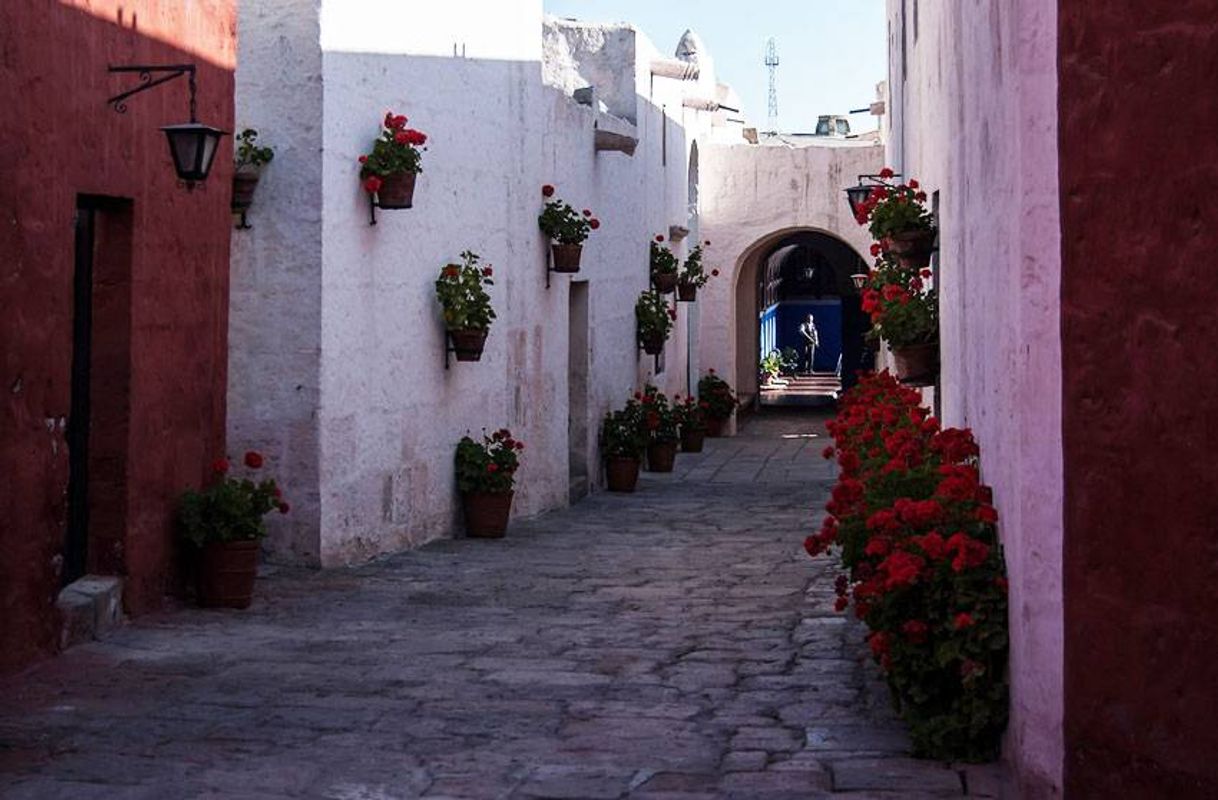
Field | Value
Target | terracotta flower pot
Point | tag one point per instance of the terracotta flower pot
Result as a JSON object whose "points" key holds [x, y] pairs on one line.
{"points": [[912, 249], [715, 426], [566, 256], [622, 474], [397, 190], [653, 345], [692, 439], [226, 574], [244, 184], [917, 364], [468, 343], [664, 282], [687, 292], [486, 513], [661, 456]]}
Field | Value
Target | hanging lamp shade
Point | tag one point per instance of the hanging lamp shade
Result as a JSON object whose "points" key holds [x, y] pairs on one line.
{"points": [[856, 196], [193, 148]]}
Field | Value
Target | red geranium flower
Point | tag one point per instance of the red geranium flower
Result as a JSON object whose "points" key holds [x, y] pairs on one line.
{"points": [[963, 620], [253, 459], [547, 190], [715, 273], [659, 238], [587, 213], [372, 184], [594, 223], [887, 172], [492, 467], [487, 271], [220, 465]]}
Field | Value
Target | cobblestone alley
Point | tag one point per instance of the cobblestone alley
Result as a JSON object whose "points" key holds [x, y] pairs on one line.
{"points": [[674, 643]]}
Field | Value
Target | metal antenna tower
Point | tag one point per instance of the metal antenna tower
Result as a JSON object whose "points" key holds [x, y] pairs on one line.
{"points": [[771, 61]]}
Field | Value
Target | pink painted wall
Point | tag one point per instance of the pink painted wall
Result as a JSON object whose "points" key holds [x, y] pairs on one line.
{"points": [[974, 104]]}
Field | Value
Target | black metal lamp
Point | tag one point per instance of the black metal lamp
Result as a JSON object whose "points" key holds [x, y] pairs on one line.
{"points": [[191, 144], [857, 195], [193, 147]]}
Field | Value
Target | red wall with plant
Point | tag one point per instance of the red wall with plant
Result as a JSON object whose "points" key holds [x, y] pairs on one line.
{"points": [[161, 293], [1139, 160]]}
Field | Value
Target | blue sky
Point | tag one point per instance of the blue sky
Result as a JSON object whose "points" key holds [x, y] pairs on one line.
{"points": [[832, 52]]}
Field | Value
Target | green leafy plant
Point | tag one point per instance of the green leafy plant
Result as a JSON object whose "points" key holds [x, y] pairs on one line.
{"points": [[251, 157], [397, 150], [717, 395], [663, 260], [489, 466], [623, 432], [903, 305], [229, 509], [771, 364], [892, 210], [563, 224], [693, 273], [462, 294], [654, 316], [659, 421]]}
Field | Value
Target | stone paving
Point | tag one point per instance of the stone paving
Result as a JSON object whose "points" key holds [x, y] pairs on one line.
{"points": [[675, 643]]}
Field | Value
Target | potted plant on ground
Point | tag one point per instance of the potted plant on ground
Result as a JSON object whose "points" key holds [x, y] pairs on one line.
{"points": [[390, 170], [719, 402], [664, 266], [222, 523], [248, 168], [655, 320], [900, 222], [691, 419], [467, 306], [661, 427], [904, 311], [693, 275], [623, 442], [486, 473], [567, 230]]}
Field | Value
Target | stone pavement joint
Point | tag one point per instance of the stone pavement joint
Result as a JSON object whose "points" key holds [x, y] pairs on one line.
{"points": [[673, 643]]}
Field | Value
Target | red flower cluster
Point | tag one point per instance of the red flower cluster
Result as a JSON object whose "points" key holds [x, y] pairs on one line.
{"points": [[915, 530]]}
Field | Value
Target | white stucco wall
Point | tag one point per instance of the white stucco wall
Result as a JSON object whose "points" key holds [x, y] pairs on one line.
{"points": [[388, 413], [274, 372], [753, 195]]}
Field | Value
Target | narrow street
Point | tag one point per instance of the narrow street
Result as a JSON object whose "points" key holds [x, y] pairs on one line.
{"points": [[674, 643]]}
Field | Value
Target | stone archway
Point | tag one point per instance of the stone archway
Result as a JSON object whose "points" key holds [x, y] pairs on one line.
{"points": [[756, 287]]}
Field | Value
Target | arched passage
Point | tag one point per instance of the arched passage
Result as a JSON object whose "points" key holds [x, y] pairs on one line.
{"points": [[781, 280]]}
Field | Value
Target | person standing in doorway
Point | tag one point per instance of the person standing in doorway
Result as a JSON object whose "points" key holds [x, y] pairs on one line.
{"points": [[808, 329]]}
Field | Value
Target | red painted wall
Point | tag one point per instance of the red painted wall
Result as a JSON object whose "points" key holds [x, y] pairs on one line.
{"points": [[159, 379], [1139, 161]]}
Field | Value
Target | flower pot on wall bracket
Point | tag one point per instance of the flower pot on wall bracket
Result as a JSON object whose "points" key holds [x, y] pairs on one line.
{"points": [[653, 345], [244, 184], [687, 292], [566, 257], [486, 514], [917, 364], [664, 282], [396, 191], [912, 249], [467, 344]]}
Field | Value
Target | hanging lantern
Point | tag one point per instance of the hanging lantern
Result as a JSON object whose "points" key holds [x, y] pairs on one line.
{"points": [[857, 196], [193, 147], [860, 279]]}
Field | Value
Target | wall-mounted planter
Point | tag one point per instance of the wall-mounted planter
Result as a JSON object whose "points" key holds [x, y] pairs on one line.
{"points": [[665, 283], [566, 257], [912, 249], [917, 364], [687, 292], [468, 343], [397, 190], [653, 345], [244, 186]]}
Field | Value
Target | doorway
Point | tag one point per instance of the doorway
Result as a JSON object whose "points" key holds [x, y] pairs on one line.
{"points": [[98, 410], [577, 392]]}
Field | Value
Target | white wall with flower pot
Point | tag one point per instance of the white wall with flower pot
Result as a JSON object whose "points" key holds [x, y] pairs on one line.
{"points": [[383, 412], [752, 196]]}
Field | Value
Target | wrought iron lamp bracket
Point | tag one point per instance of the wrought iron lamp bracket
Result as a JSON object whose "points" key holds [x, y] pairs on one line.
{"points": [[145, 71]]}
